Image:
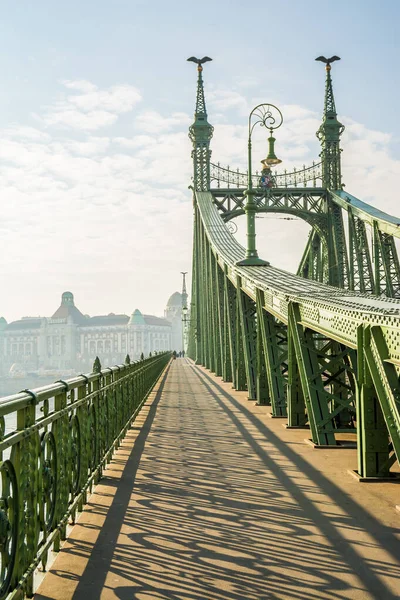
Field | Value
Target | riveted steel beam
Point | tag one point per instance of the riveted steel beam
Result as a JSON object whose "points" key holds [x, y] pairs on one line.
{"points": [[386, 264], [361, 277], [384, 375], [311, 380], [246, 311], [274, 340], [231, 321]]}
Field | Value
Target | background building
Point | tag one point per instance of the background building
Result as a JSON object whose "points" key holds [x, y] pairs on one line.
{"points": [[70, 340], [173, 314]]}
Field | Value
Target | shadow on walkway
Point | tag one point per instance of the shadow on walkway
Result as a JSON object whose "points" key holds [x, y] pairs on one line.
{"points": [[212, 505]]}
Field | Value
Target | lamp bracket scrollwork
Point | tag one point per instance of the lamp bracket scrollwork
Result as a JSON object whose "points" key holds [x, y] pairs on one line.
{"points": [[265, 115]]}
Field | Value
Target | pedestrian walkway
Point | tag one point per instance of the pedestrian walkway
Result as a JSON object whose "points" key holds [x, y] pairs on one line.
{"points": [[210, 499]]}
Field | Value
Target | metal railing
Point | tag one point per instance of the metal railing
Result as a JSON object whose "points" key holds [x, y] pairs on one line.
{"points": [[55, 442], [296, 178]]}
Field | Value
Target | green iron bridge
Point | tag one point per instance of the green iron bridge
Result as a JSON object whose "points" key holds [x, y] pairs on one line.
{"points": [[321, 347]]}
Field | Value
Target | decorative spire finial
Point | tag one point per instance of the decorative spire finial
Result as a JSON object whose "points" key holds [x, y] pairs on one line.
{"points": [[329, 133], [200, 132], [329, 104], [200, 99]]}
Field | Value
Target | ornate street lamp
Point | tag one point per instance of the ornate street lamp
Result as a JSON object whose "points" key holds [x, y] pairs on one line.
{"points": [[270, 117]]}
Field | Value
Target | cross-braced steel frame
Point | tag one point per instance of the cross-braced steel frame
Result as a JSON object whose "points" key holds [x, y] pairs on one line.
{"points": [[322, 347]]}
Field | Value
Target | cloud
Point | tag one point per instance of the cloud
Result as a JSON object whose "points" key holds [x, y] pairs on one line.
{"points": [[90, 108], [109, 214], [153, 122], [219, 99]]}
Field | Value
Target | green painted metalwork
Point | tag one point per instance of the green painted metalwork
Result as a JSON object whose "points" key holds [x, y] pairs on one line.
{"points": [[387, 269], [246, 309], [385, 378], [322, 338], [274, 341], [270, 117], [200, 134], [65, 434], [361, 277], [329, 135], [325, 357], [237, 180], [230, 319]]}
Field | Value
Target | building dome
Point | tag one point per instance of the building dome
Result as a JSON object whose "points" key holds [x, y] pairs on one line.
{"points": [[3, 323], [67, 298], [175, 300], [68, 309], [137, 318]]}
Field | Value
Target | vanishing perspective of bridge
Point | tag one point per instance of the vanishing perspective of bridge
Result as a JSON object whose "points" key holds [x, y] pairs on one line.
{"points": [[202, 474]]}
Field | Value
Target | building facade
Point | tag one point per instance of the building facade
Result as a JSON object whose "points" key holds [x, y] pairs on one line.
{"points": [[173, 314], [70, 340]]}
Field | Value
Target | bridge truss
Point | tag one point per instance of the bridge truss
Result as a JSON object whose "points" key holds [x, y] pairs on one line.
{"points": [[322, 346]]}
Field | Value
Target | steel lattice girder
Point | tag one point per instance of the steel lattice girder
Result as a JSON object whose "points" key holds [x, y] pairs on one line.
{"points": [[274, 341], [327, 256], [385, 378], [317, 370], [246, 310], [334, 315], [230, 319], [361, 276], [387, 269]]}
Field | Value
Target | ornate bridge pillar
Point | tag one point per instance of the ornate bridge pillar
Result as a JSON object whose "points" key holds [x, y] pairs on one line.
{"points": [[329, 135], [201, 133]]}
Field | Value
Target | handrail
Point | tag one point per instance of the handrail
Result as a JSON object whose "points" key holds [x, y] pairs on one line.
{"points": [[237, 179], [367, 213], [64, 435]]}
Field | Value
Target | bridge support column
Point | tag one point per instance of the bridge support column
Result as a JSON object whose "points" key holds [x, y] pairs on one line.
{"points": [[274, 343], [209, 308], [297, 416], [195, 342], [386, 264], [262, 381], [327, 373], [230, 319], [361, 277], [246, 310], [311, 381], [378, 402], [215, 321], [221, 323]]}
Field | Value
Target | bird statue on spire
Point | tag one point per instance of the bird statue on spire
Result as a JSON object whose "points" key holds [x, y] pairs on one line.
{"points": [[199, 61], [328, 61]]}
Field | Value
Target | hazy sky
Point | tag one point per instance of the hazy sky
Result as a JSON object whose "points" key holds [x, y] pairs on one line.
{"points": [[96, 98]]}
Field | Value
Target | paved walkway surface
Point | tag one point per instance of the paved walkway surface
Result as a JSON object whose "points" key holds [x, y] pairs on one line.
{"points": [[210, 499]]}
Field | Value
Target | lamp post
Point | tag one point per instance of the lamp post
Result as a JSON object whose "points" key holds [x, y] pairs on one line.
{"points": [[270, 117]]}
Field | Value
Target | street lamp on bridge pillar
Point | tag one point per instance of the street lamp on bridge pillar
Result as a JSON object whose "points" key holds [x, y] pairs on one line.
{"points": [[270, 117]]}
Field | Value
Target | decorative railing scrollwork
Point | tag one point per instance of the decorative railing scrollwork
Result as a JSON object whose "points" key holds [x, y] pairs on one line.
{"points": [[9, 516], [65, 433], [305, 177]]}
